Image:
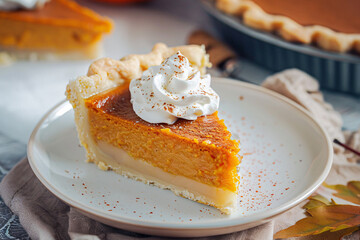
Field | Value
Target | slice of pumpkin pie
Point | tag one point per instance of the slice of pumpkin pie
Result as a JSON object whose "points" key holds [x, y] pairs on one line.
{"points": [[60, 29], [154, 118]]}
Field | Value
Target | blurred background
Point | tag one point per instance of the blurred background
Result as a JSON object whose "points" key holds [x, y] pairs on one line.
{"points": [[30, 88]]}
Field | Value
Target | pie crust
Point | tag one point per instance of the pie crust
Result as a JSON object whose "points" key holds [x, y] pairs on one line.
{"points": [[254, 16]]}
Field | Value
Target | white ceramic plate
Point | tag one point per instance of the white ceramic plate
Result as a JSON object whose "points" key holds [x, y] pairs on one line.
{"points": [[287, 155]]}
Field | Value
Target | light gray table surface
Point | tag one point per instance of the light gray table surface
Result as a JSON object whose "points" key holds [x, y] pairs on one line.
{"points": [[29, 89]]}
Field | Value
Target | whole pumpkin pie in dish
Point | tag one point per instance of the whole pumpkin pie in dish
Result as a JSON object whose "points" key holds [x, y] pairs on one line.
{"points": [[182, 146], [330, 24], [60, 29]]}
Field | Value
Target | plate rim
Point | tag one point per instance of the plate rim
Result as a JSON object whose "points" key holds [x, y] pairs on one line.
{"points": [[226, 223]]}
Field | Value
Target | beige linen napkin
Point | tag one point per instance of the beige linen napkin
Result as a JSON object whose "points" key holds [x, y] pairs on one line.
{"points": [[45, 217]]}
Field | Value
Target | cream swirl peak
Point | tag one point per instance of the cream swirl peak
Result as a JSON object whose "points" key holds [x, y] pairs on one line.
{"points": [[173, 90]]}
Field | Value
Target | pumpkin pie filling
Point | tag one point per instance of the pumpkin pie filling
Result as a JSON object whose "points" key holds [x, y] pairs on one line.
{"points": [[205, 139]]}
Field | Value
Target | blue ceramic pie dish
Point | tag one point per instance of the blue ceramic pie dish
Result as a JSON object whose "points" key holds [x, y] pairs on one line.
{"points": [[334, 71]]}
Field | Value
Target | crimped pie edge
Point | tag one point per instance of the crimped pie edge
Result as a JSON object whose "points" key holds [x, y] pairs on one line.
{"points": [[253, 16]]}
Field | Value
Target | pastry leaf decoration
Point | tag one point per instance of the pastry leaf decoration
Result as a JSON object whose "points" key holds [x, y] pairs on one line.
{"points": [[327, 217]]}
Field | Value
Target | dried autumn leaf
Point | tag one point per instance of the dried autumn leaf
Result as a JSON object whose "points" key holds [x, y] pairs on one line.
{"points": [[350, 192], [317, 201], [332, 235], [322, 219]]}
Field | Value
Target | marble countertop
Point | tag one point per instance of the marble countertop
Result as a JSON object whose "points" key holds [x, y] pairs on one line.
{"points": [[29, 89]]}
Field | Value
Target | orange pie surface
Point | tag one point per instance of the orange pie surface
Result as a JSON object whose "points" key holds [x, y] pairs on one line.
{"points": [[59, 26], [341, 16], [200, 150]]}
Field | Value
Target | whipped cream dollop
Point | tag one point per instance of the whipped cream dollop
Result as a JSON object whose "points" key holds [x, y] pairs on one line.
{"points": [[173, 90], [10, 5]]}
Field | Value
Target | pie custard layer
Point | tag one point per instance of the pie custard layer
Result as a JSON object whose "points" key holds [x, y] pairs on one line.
{"points": [[331, 24], [194, 159]]}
